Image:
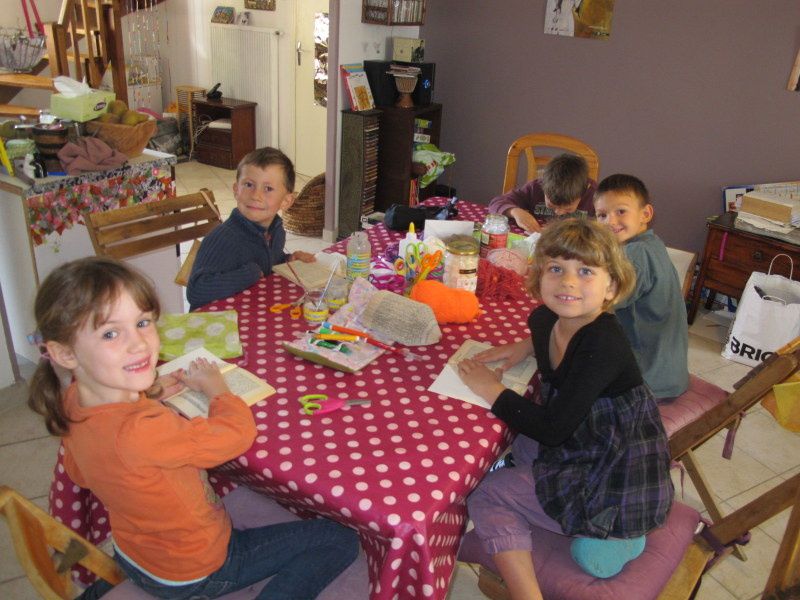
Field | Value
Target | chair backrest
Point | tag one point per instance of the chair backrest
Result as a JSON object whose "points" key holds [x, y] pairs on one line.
{"points": [[684, 263], [133, 230], [35, 533], [539, 149]]}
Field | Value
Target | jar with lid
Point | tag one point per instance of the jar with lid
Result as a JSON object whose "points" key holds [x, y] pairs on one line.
{"points": [[494, 233], [461, 263]]}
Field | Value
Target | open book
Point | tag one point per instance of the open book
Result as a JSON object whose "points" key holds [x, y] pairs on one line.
{"points": [[313, 276], [448, 383], [241, 382]]}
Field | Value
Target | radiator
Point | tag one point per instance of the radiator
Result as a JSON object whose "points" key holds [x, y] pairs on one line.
{"points": [[245, 61]]}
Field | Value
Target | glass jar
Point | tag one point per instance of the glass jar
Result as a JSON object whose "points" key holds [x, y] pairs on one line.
{"points": [[461, 264], [314, 309], [494, 233], [336, 296]]}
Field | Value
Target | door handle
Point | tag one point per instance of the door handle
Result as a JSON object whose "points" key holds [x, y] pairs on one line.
{"points": [[299, 53]]}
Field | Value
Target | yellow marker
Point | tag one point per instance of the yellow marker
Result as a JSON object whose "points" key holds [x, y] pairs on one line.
{"points": [[338, 337], [4, 158]]}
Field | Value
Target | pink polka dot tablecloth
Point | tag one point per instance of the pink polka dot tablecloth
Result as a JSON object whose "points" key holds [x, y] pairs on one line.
{"points": [[398, 470]]}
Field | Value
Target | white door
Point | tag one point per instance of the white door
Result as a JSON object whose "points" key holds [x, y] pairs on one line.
{"points": [[310, 117]]}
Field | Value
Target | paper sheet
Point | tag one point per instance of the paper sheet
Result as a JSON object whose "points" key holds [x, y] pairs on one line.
{"points": [[448, 383]]}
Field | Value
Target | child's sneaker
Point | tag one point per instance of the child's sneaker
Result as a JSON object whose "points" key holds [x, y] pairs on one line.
{"points": [[503, 461]]}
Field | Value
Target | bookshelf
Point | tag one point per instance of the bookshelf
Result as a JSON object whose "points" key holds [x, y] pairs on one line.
{"points": [[393, 12], [359, 168], [398, 129]]}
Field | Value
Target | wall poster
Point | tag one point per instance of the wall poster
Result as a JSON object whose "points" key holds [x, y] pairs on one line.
{"points": [[579, 18]]}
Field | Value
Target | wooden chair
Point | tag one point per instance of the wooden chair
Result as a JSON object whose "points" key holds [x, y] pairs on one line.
{"points": [[684, 263], [36, 535], [539, 149], [716, 541], [133, 230]]}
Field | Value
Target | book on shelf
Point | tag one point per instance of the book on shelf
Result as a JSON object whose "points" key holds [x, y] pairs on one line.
{"points": [[357, 86], [448, 383], [191, 403], [422, 138]]}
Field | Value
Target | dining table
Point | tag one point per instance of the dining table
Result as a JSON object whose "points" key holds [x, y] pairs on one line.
{"points": [[398, 470]]}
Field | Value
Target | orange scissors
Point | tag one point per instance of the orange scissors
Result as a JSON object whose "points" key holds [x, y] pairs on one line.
{"points": [[294, 308], [427, 264]]}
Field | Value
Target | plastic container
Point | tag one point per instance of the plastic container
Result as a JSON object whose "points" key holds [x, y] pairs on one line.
{"points": [[359, 255], [494, 233], [461, 264]]}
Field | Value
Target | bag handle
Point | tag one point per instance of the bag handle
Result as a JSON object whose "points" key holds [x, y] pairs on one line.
{"points": [[791, 265]]}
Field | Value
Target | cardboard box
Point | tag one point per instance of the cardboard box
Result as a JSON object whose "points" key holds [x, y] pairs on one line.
{"points": [[81, 108]]}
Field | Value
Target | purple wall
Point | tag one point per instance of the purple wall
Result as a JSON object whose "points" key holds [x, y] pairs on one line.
{"points": [[689, 96]]}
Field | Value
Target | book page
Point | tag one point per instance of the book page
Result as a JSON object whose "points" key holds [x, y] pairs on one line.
{"points": [[314, 275], [182, 362], [448, 383]]}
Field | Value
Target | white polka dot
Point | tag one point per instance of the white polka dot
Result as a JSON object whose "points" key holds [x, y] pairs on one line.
{"points": [[418, 515], [390, 500], [311, 477], [393, 519], [337, 491], [365, 504], [397, 543]]}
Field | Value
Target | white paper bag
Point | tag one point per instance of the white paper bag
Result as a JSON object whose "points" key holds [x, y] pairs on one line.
{"points": [[768, 317]]}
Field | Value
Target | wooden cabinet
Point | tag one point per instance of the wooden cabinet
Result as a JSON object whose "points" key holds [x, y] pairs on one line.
{"points": [[393, 12], [223, 147], [396, 146], [732, 254], [359, 168]]}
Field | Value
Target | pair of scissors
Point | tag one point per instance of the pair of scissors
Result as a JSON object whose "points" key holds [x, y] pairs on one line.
{"points": [[430, 260], [294, 308], [413, 256], [318, 404]]}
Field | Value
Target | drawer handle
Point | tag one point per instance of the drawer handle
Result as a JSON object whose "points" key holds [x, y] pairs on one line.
{"points": [[758, 255]]}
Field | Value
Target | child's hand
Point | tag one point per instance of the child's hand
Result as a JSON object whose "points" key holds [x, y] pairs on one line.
{"points": [[511, 354], [525, 220], [165, 386], [204, 376], [306, 257], [481, 379]]}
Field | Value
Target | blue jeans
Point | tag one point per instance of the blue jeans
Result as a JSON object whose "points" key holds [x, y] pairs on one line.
{"points": [[302, 557]]}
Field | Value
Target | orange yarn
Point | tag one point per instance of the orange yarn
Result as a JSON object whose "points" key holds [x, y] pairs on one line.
{"points": [[449, 305]]}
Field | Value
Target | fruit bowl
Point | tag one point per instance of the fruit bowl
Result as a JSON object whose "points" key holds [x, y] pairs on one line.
{"points": [[128, 139]]}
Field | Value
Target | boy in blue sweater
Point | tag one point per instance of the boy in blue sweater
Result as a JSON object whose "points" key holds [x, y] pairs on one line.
{"points": [[246, 246], [654, 315]]}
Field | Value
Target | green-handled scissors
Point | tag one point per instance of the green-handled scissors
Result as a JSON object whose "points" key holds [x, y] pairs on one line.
{"points": [[318, 404]]}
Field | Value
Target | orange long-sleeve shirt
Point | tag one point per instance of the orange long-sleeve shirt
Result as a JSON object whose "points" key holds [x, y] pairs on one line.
{"points": [[145, 463]]}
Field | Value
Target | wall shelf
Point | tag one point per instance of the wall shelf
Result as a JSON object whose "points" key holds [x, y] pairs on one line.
{"points": [[393, 12]]}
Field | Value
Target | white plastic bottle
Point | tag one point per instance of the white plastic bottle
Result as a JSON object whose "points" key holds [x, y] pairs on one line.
{"points": [[359, 255]]}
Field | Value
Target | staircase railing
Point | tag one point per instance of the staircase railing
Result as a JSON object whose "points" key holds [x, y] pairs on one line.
{"points": [[98, 22]]}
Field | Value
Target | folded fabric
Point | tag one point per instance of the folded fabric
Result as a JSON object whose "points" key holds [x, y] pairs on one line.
{"points": [[435, 161], [89, 154], [182, 333]]}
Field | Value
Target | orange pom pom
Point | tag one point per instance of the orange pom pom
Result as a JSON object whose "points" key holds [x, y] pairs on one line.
{"points": [[449, 305]]}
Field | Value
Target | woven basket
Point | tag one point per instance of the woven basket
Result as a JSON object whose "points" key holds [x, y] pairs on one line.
{"points": [[128, 139], [307, 215]]}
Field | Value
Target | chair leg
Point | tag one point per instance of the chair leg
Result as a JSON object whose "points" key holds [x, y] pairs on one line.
{"points": [[707, 498], [785, 574], [492, 586]]}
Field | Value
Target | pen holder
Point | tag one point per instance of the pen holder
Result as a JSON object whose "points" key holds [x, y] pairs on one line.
{"points": [[315, 310]]}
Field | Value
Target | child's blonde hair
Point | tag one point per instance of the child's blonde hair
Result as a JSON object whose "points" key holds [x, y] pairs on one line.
{"points": [[68, 298], [589, 242]]}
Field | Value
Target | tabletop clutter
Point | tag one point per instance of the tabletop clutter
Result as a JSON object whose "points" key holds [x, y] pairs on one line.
{"points": [[84, 130], [360, 304]]}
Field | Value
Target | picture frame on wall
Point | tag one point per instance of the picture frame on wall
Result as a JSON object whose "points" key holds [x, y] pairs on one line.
{"points": [[260, 4], [223, 14]]}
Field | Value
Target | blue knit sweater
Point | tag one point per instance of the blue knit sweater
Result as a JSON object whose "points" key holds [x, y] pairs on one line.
{"points": [[233, 257]]}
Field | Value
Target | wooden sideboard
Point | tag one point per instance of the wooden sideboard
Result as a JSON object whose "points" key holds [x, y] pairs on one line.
{"points": [[732, 253], [223, 147]]}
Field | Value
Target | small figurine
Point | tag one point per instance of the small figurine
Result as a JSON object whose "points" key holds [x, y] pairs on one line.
{"points": [[34, 166]]}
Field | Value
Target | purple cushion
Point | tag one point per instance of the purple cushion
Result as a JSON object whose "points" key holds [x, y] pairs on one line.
{"points": [[561, 579], [250, 509], [689, 406]]}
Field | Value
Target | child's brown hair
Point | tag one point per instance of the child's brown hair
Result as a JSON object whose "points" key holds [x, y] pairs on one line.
{"points": [[564, 178], [68, 298], [589, 242], [264, 157]]}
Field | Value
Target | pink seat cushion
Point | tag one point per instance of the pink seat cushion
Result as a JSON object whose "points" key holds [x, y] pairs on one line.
{"points": [[249, 509], [689, 406], [562, 579]]}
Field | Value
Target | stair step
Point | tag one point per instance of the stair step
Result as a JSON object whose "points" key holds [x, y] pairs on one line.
{"points": [[15, 110], [21, 80]]}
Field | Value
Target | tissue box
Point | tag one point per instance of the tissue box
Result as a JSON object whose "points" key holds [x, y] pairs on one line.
{"points": [[81, 108]]}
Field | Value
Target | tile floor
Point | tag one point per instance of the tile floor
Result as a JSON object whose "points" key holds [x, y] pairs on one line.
{"points": [[764, 454]]}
